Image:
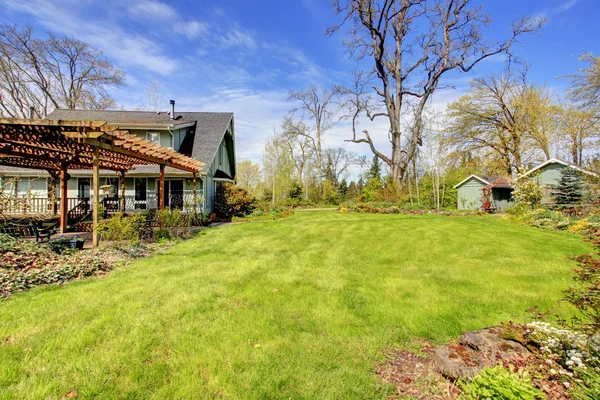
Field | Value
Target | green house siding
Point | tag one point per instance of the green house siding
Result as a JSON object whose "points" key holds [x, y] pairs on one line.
{"points": [[470, 195], [548, 176]]}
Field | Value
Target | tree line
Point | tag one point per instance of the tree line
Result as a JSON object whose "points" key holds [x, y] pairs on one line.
{"points": [[407, 49]]}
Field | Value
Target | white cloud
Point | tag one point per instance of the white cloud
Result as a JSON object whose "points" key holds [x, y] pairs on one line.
{"points": [[151, 9], [257, 113], [191, 29], [238, 37], [128, 49], [566, 5]]}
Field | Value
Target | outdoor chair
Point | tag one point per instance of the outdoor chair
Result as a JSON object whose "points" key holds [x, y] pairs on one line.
{"points": [[16, 230], [43, 234]]}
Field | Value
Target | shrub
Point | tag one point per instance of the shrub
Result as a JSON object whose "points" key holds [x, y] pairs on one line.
{"points": [[175, 223], [122, 229], [231, 201], [498, 383], [528, 191]]}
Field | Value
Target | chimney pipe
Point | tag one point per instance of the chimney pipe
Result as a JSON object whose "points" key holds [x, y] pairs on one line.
{"points": [[30, 112], [172, 102]]}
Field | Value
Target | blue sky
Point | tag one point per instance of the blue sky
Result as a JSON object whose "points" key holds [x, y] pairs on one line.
{"points": [[243, 56]]}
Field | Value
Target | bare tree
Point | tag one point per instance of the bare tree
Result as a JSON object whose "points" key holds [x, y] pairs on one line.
{"points": [[56, 72], [578, 127], [302, 145], [585, 84], [337, 162], [316, 104], [154, 101], [414, 44]]}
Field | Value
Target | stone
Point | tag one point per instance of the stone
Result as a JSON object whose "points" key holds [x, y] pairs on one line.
{"points": [[474, 351], [456, 361]]}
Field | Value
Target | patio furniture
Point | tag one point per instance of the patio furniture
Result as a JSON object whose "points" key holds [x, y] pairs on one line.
{"points": [[43, 234], [16, 230]]}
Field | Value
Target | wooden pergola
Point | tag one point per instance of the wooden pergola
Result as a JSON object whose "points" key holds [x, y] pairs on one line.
{"points": [[56, 146]]}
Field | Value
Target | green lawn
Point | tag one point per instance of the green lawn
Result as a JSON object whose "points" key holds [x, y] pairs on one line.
{"points": [[295, 308]]}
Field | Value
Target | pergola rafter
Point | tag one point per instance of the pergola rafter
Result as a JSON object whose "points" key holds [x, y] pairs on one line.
{"points": [[56, 146]]}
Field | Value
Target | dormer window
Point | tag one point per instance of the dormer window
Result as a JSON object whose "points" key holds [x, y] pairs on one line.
{"points": [[153, 137]]}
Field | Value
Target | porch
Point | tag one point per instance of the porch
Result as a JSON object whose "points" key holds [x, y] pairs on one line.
{"points": [[57, 146]]}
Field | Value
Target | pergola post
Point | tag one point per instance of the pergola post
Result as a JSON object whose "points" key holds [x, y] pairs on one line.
{"points": [[161, 188], [195, 196], [123, 200], [96, 194], [64, 201], [52, 191]]}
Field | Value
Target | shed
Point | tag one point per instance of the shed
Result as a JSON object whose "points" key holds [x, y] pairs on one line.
{"points": [[470, 192]]}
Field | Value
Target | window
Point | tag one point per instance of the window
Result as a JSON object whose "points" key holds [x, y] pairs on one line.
{"points": [[140, 189], [114, 182], [83, 188], [140, 193], [154, 137]]}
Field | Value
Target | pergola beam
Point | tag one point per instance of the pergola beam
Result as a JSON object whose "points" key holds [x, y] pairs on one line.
{"points": [[55, 145]]}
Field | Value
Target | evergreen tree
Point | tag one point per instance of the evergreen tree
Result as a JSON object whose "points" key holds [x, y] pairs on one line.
{"points": [[352, 190], [295, 191], [360, 185], [343, 189], [375, 170], [569, 189]]}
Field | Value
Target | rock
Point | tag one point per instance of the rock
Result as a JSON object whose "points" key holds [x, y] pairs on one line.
{"points": [[456, 361], [490, 342], [474, 351], [472, 339]]}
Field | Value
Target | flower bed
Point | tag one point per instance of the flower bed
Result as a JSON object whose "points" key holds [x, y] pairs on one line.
{"points": [[24, 265], [387, 208]]}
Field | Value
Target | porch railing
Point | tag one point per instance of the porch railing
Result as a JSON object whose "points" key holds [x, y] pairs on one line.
{"points": [[36, 205], [81, 206]]}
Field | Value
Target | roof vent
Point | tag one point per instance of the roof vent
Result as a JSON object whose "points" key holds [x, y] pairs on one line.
{"points": [[172, 102]]}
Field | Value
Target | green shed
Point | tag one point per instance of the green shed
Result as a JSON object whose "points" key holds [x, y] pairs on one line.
{"points": [[470, 192]]}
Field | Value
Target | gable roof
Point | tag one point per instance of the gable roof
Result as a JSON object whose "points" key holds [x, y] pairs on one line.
{"points": [[487, 180], [481, 179], [209, 131], [557, 161]]}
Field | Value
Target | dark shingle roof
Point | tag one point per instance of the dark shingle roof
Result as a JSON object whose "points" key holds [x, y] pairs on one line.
{"points": [[210, 126]]}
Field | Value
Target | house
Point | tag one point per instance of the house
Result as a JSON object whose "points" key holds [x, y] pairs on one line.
{"points": [[548, 175], [472, 190], [205, 136]]}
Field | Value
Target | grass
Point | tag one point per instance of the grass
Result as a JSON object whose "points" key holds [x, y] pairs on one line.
{"points": [[295, 308]]}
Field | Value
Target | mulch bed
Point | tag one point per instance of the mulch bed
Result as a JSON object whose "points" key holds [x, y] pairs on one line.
{"points": [[415, 376]]}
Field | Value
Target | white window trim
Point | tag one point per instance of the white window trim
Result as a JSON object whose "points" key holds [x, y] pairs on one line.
{"points": [[149, 133]]}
